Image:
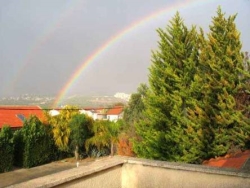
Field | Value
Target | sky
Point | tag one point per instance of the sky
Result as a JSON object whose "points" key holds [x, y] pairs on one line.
{"points": [[43, 43]]}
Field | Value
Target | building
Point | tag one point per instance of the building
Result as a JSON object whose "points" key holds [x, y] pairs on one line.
{"points": [[115, 113], [95, 113], [112, 114], [54, 112], [14, 116]]}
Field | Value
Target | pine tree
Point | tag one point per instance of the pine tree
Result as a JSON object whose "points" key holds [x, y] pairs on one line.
{"points": [[168, 133], [222, 76], [243, 95], [193, 109]]}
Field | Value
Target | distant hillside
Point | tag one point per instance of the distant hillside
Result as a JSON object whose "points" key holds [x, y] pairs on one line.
{"points": [[46, 102]]}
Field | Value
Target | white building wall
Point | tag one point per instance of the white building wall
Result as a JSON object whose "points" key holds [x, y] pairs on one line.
{"points": [[54, 112], [113, 117], [86, 112]]}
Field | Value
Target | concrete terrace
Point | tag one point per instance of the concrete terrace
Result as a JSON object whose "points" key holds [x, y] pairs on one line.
{"points": [[130, 172]]}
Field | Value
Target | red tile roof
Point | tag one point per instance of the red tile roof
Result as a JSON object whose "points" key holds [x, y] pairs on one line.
{"points": [[115, 110], [8, 114], [234, 161]]}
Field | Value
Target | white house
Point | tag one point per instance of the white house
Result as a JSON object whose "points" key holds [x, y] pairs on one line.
{"points": [[98, 113], [112, 114], [54, 112], [115, 113]]}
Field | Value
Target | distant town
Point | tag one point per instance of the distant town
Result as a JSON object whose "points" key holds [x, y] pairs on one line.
{"points": [[77, 100]]}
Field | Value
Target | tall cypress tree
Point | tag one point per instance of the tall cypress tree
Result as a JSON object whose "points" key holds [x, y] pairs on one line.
{"points": [[222, 76], [243, 95], [193, 110], [168, 133]]}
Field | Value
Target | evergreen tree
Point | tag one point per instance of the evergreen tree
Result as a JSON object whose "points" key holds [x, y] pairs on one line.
{"points": [[167, 133], [222, 76], [243, 96], [134, 110], [193, 106]]}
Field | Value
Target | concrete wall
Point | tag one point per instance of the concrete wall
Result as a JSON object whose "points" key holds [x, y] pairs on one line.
{"points": [[146, 176], [125, 172], [110, 178], [104, 172]]}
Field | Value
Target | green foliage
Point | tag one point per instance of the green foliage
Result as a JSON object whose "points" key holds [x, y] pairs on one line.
{"points": [[134, 110], [223, 77], [133, 113], [191, 107], [167, 133], [60, 124], [18, 148], [94, 152], [243, 96], [80, 126], [38, 143], [105, 135], [6, 149]]}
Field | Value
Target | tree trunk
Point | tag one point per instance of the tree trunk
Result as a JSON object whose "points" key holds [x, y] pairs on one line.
{"points": [[112, 149], [77, 153]]}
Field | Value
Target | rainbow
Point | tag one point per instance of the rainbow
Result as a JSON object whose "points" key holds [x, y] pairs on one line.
{"points": [[116, 38]]}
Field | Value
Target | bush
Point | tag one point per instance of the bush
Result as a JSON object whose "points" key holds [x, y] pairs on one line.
{"points": [[38, 143], [94, 152], [80, 126], [124, 146], [6, 149], [18, 148]]}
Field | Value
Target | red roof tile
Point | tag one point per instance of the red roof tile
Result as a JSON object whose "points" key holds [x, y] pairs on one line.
{"points": [[8, 114], [235, 161], [115, 111]]}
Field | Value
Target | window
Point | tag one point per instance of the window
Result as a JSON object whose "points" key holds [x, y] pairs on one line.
{"points": [[21, 117]]}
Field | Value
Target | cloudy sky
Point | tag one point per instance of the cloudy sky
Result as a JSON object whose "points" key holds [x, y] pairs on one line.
{"points": [[44, 42]]}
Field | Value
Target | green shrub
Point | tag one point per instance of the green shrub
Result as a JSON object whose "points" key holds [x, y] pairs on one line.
{"points": [[94, 152], [6, 149], [38, 143], [80, 126], [18, 148]]}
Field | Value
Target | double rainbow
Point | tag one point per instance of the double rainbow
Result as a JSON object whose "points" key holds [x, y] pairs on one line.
{"points": [[115, 39]]}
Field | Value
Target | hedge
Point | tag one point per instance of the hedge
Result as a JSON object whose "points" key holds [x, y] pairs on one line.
{"points": [[18, 148], [6, 149], [38, 143]]}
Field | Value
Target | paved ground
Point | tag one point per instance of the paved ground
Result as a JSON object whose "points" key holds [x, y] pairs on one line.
{"points": [[22, 175]]}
